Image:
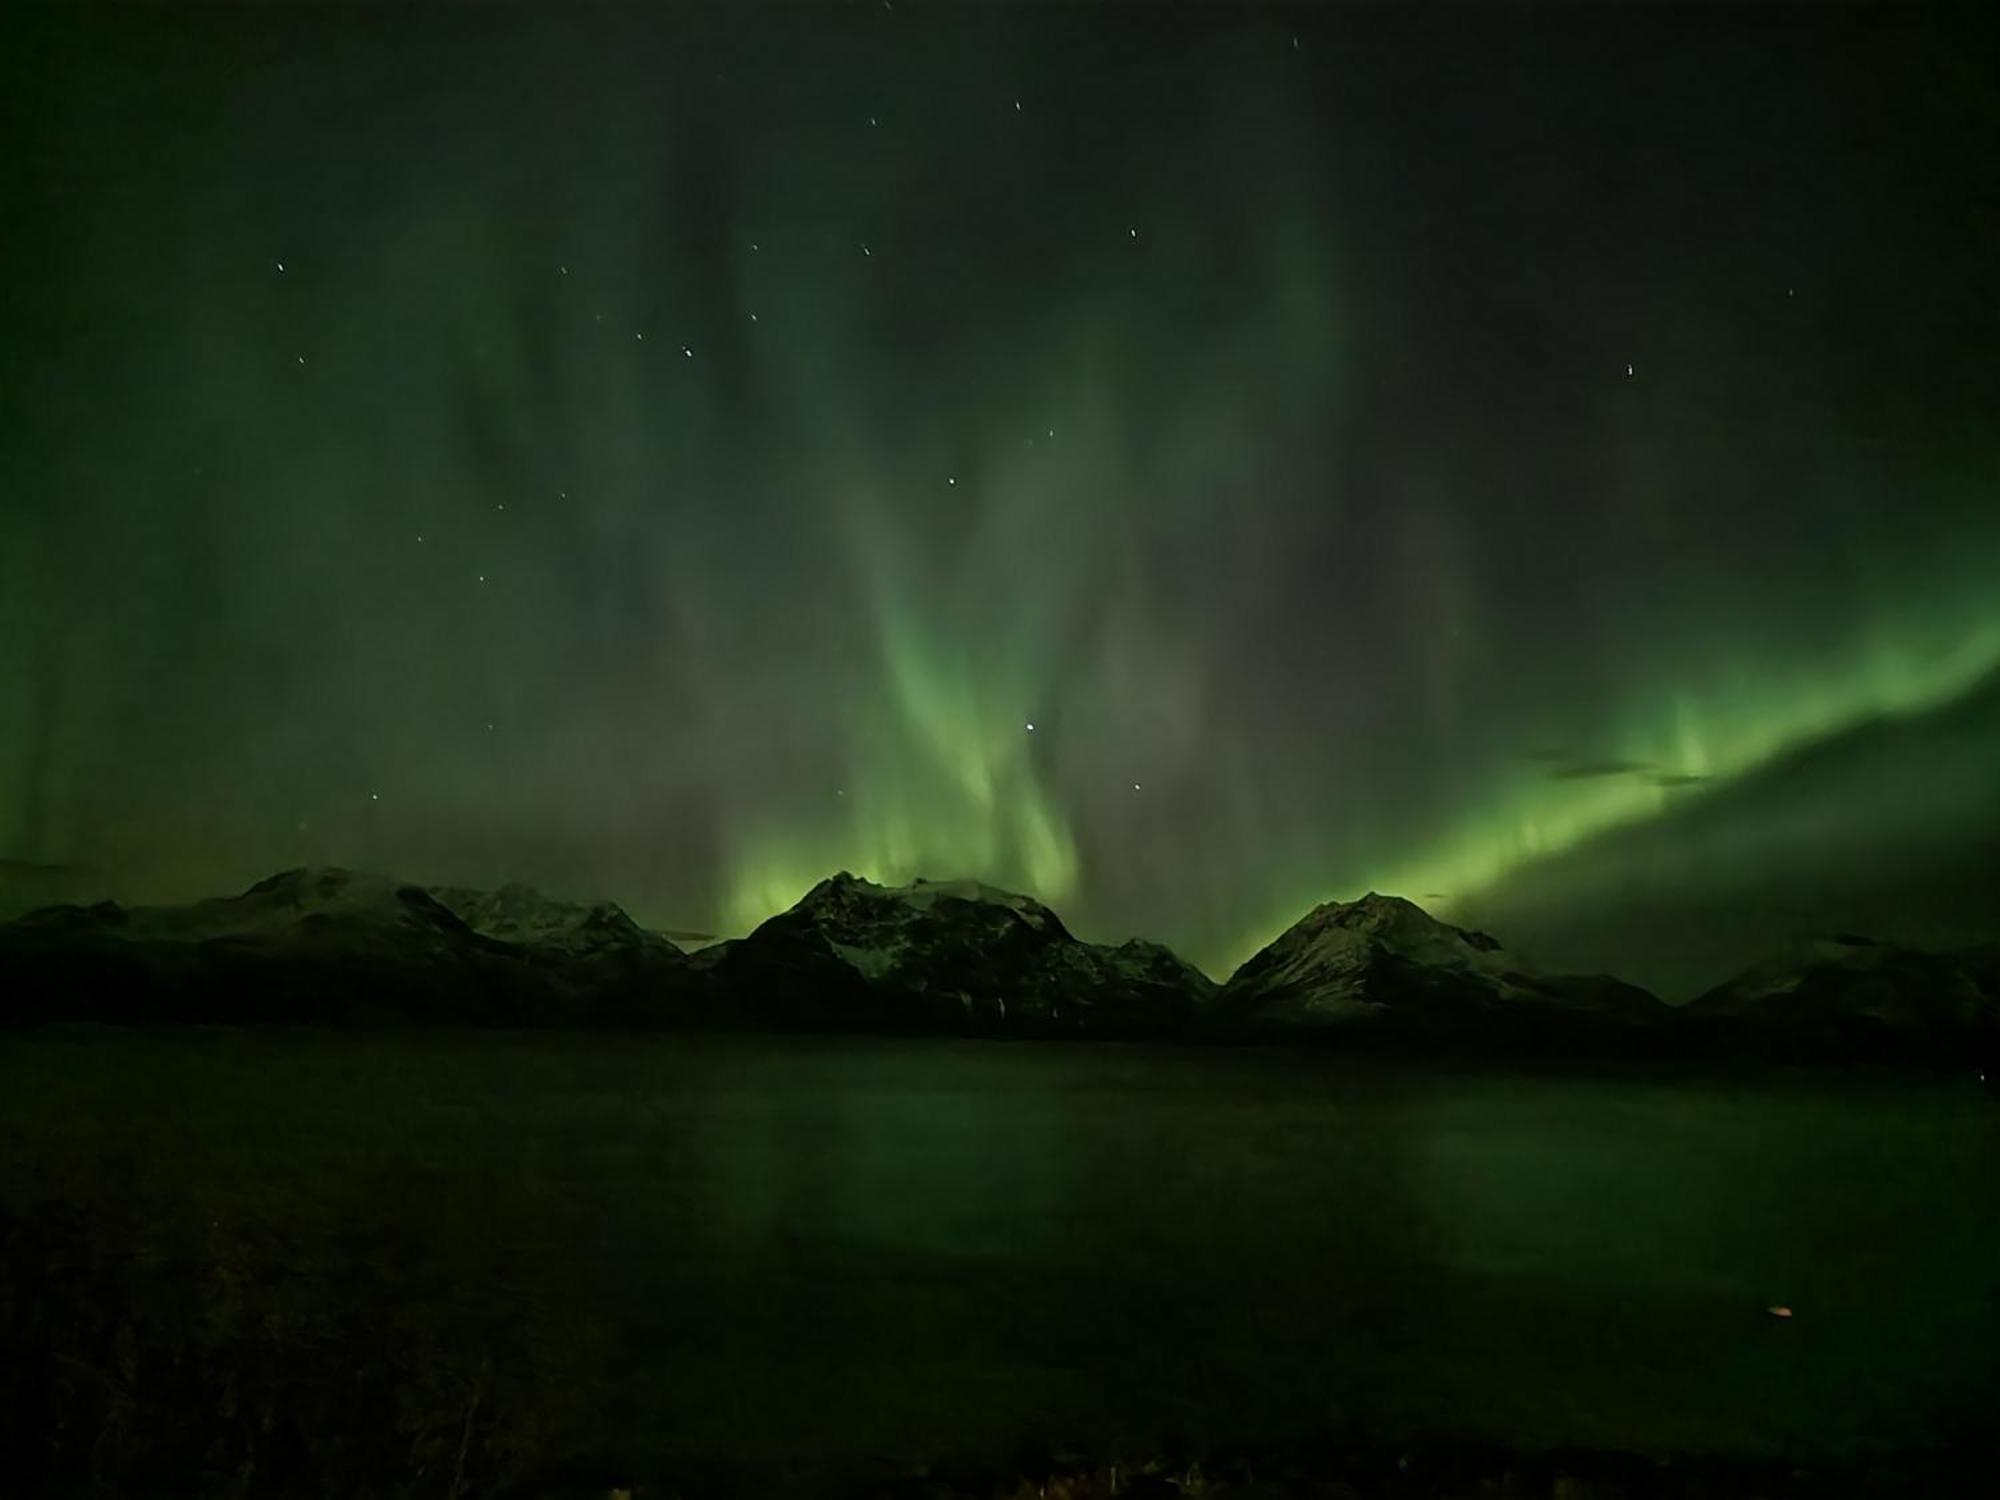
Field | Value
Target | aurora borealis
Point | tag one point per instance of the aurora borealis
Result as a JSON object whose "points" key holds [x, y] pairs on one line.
{"points": [[1186, 465]]}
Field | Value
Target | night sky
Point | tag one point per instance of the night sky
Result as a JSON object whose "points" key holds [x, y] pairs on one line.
{"points": [[1187, 465]]}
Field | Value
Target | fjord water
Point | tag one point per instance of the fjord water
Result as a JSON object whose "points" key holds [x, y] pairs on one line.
{"points": [[810, 1256]]}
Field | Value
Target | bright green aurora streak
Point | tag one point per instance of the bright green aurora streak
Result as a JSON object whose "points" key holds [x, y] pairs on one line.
{"points": [[1359, 463]]}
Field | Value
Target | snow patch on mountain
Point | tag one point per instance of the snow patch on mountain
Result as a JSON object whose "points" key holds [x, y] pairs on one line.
{"points": [[847, 891], [518, 913], [1347, 960]]}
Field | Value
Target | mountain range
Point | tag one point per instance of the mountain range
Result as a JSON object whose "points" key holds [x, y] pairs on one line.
{"points": [[331, 947]]}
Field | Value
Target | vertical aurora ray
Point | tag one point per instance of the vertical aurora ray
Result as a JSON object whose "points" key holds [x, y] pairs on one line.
{"points": [[940, 780], [681, 454]]}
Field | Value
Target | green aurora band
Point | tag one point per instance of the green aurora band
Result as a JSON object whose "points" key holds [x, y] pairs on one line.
{"points": [[952, 789], [682, 487]]}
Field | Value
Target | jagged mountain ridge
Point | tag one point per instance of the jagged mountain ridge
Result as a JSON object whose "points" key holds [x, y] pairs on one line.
{"points": [[305, 911], [518, 913], [955, 955], [331, 946], [314, 901]]}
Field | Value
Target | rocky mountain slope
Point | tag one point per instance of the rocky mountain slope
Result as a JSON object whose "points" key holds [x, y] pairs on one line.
{"points": [[1851, 996], [598, 934], [333, 947], [1383, 963], [953, 956], [330, 945]]}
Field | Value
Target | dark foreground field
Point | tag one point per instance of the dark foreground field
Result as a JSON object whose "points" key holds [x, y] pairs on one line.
{"points": [[278, 1263]]}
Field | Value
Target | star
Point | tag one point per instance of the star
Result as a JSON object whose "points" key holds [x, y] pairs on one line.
{"points": [[482, 578], [951, 479], [640, 337], [1134, 233], [866, 251], [281, 265], [1017, 106], [753, 317], [1031, 726], [871, 120], [1628, 372], [374, 796], [564, 270], [1135, 786], [687, 351], [501, 506], [420, 536], [302, 359]]}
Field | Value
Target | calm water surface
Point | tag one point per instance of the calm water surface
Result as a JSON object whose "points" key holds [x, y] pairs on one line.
{"points": [[815, 1253]]}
